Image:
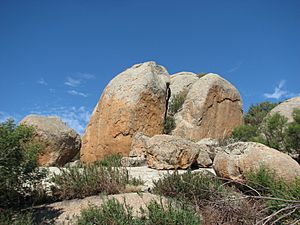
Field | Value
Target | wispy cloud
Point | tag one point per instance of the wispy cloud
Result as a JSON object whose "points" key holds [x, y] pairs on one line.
{"points": [[280, 92], [76, 117], [235, 68], [42, 82], [74, 92], [73, 82], [78, 79]]}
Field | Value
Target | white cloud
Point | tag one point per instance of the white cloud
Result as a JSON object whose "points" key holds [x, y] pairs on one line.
{"points": [[76, 117], [42, 82], [78, 79], [73, 82], [86, 76], [280, 92], [74, 92]]}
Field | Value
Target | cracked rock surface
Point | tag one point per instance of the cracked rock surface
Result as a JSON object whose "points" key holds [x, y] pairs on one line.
{"points": [[213, 107], [134, 101]]}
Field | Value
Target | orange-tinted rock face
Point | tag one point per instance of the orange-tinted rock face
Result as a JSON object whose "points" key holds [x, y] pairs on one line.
{"points": [[239, 158], [213, 107], [133, 101]]}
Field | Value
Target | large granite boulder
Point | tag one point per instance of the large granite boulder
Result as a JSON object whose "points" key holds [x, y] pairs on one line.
{"points": [[182, 82], [239, 158], [172, 152], [287, 107], [59, 142], [213, 107], [133, 101]]}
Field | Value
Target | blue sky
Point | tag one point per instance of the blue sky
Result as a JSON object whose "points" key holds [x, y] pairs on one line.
{"points": [[57, 56]]}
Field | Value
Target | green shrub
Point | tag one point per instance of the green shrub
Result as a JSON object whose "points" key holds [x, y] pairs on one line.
{"points": [[91, 180], [169, 125], [110, 161], [273, 128], [245, 132], [171, 215], [257, 113], [19, 176], [114, 213], [12, 218], [110, 213], [281, 197], [176, 103], [190, 186], [292, 133], [217, 202]]}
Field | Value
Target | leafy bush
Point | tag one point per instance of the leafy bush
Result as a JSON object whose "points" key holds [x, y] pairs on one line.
{"points": [[282, 198], [245, 133], [272, 129], [292, 133], [19, 176], [190, 186], [174, 106], [257, 113], [218, 203], [176, 103], [110, 161], [114, 213], [12, 218], [91, 180], [169, 125]]}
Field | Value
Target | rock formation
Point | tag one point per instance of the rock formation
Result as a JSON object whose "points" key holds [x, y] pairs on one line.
{"points": [[241, 157], [59, 142], [171, 152], [213, 107], [182, 82], [133, 101], [287, 107]]}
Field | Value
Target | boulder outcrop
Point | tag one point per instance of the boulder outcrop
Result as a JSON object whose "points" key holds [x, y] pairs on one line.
{"points": [[59, 142], [172, 152], [134, 101], [213, 107], [237, 159], [182, 82], [287, 107]]}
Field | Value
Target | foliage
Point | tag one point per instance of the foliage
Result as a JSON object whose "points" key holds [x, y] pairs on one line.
{"points": [[189, 186], [110, 161], [218, 203], [91, 180], [169, 125], [174, 106], [114, 213], [257, 113], [9, 217], [282, 198], [245, 132], [292, 133], [19, 175], [176, 103], [272, 129]]}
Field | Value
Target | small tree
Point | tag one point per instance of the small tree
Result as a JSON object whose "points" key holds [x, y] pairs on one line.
{"points": [[273, 131], [292, 133], [257, 113], [18, 163]]}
